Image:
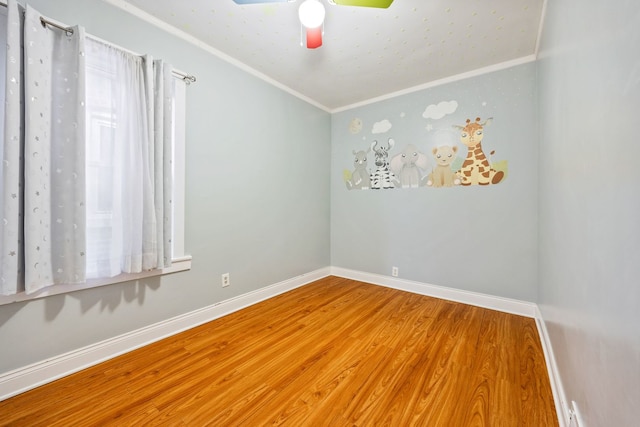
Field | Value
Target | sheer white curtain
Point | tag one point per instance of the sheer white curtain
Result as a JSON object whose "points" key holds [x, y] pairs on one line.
{"points": [[86, 158], [129, 208]]}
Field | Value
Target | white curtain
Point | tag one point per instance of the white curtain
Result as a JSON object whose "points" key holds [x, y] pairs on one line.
{"points": [[85, 189], [54, 188], [11, 195], [49, 150], [163, 102], [130, 217]]}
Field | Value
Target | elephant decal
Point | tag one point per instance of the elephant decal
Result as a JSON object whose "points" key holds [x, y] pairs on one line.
{"points": [[408, 166]]}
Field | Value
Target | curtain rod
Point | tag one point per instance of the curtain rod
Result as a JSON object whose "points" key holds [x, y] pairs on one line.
{"points": [[188, 78], [44, 21]]}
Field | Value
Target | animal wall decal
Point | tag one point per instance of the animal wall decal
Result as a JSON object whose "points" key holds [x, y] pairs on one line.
{"points": [[360, 178], [411, 168], [476, 169], [409, 165], [442, 175], [382, 178]]}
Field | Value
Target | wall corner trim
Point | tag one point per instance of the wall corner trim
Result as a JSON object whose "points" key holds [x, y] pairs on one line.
{"points": [[443, 81], [507, 305], [39, 373], [559, 396]]}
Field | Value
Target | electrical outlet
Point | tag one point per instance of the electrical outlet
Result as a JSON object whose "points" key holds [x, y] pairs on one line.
{"points": [[226, 280], [394, 271]]}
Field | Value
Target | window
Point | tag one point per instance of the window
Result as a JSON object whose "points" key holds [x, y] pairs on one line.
{"points": [[131, 221]]}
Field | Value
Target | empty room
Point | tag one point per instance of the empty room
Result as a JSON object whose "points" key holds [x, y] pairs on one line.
{"points": [[319, 213]]}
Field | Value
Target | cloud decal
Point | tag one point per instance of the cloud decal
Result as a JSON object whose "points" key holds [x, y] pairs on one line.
{"points": [[438, 111], [381, 127]]}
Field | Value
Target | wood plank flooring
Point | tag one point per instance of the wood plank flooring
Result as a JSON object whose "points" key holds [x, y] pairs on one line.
{"points": [[333, 353]]}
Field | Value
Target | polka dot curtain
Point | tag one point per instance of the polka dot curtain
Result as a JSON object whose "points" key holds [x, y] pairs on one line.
{"points": [[53, 136]]}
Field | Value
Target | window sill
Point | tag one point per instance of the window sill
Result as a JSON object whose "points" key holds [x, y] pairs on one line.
{"points": [[178, 264]]}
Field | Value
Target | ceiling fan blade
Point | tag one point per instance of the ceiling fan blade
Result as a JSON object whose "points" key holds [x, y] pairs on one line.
{"points": [[261, 1], [364, 3]]}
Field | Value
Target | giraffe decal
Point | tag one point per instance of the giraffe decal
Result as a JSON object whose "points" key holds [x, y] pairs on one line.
{"points": [[476, 169]]}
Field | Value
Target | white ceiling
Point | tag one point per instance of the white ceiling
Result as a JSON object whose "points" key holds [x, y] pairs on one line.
{"points": [[366, 52]]}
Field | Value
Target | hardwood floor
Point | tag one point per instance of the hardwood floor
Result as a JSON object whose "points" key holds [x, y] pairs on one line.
{"points": [[333, 353]]}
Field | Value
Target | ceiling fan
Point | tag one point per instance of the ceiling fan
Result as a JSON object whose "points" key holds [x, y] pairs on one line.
{"points": [[311, 14]]}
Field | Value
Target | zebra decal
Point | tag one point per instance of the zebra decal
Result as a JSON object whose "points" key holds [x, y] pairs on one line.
{"points": [[382, 178]]}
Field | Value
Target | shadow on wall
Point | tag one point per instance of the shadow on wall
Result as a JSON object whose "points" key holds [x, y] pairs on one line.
{"points": [[10, 310], [109, 297]]}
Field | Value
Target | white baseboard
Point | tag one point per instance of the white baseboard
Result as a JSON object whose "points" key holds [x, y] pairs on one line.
{"points": [[31, 376], [559, 397], [507, 305]]}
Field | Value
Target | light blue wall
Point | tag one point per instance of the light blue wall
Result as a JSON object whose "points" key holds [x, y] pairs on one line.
{"points": [[481, 239], [589, 86], [257, 200]]}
